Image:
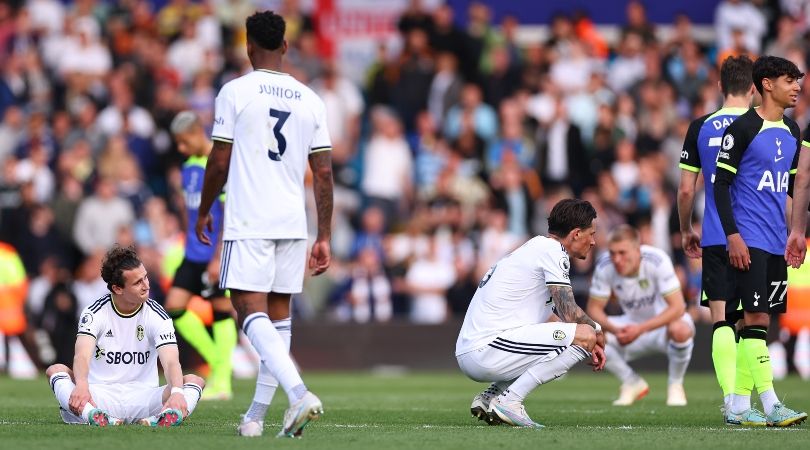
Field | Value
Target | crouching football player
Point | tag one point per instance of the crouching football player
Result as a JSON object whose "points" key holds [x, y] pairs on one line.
{"points": [[114, 378], [510, 336], [655, 321]]}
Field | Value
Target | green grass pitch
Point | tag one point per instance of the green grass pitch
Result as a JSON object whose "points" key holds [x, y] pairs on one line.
{"points": [[422, 411]]}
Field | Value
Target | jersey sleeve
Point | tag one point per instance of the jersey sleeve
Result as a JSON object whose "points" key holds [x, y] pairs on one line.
{"points": [[320, 140], [555, 266], [90, 323], [600, 285], [690, 156], [161, 327], [732, 147], [224, 115]]}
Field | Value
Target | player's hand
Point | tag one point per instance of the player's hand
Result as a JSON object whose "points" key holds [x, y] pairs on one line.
{"points": [[204, 223], [177, 401], [738, 252], [691, 244], [628, 334], [80, 397], [796, 249], [598, 358], [213, 271], [321, 257], [600, 339]]}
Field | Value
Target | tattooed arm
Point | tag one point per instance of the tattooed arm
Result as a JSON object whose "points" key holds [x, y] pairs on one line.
{"points": [[321, 164], [216, 174], [566, 308]]}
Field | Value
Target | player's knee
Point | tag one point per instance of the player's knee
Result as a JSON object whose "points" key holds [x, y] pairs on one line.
{"points": [[760, 319], [56, 368], [585, 336], [194, 379], [679, 331]]}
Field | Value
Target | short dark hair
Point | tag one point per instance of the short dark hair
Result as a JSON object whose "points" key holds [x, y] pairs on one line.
{"points": [[773, 67], [266, 29], [569, 214], [735, 75], [116, 261]]}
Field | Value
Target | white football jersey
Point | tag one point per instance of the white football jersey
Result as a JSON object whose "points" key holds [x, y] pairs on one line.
{"points": [[126, 345], [642, 296], [274, 122], [514, 292]]}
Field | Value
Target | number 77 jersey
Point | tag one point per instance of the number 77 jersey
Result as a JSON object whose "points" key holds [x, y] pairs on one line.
{"points": [[274, 122]]}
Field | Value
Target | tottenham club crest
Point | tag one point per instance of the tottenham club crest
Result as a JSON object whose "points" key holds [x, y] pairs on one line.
{"points": [[558, 335], [139, 332]]}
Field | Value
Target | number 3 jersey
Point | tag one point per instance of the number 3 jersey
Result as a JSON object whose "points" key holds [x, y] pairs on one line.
{"points": [[274, 123], [641, 296], [514, 293], [126, 345]]}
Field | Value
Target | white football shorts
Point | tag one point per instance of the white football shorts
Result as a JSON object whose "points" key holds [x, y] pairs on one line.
{"points": [[649, 343], [515, 351], [264, 265], [128, 402]]}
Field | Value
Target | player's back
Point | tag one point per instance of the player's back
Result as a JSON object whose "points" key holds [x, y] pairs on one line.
{"points": [[514, 292], [274, 123], [700, 154], [192, 179]]}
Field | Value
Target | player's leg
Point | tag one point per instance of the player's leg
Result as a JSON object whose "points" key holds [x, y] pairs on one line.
{"points": [[278, 309], [767, 292], [680, 343], [155, 398], [291, 256], [633, 387], [188, 281], [225, 336], [718, 283], [60, 378], [549, 361]]}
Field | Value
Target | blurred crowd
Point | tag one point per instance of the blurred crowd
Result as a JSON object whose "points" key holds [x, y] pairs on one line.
{"points": [[448, 155]]}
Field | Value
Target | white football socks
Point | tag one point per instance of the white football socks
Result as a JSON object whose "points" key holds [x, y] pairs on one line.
{"points": [[768, 399], [740, 403], [544, 372], [192, 394], [266, 384], [274, 353], [616, 364], [679, 354]]}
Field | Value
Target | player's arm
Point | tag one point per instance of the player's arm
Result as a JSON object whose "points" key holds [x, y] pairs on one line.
{"points": [[599, 294], [320, 162], [596, 310], [796, 248], [83, 351], [674, 310], [169, 357], [216, 175], [690, 169], [566, 307], [728, 160]]}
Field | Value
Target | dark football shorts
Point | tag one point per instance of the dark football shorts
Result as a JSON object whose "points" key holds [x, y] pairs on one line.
{"points": [[193, 277], [763, 287]]}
